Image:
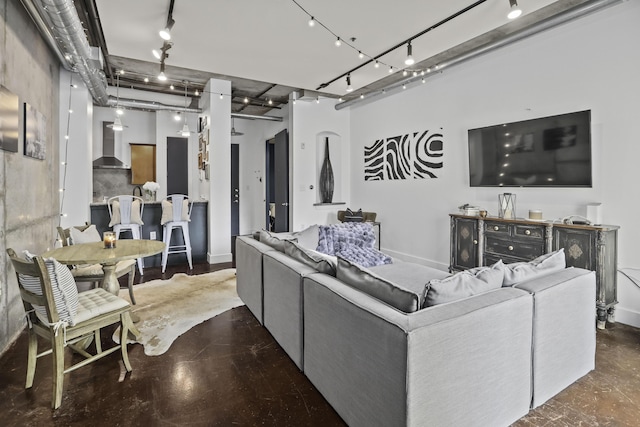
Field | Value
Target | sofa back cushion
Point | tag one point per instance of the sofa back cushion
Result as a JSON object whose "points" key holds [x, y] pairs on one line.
{"points": [[365, 281], [273, 241], [464, 284], [323, 263], [544, 264]]}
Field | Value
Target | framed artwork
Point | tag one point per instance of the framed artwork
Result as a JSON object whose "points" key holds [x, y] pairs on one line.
{"points": [[199, 160], [35, 133], [206, 172], [9, 114]]}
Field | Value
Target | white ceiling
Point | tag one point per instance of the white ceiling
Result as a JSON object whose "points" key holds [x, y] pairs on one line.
{"points": [[270, 41]]}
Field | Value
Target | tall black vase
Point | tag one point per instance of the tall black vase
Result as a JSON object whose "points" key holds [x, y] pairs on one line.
{"points": [[326, 176]]}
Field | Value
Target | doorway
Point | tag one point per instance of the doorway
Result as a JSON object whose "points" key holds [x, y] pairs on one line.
{"points": [[177, 166], [235, 190], [277, 167]]}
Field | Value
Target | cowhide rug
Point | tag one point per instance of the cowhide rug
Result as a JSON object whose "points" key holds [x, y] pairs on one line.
{"points": [[169, 308]]}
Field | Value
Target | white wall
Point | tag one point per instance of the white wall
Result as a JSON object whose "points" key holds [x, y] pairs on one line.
{"points": [[309, 123], [582, 65]]}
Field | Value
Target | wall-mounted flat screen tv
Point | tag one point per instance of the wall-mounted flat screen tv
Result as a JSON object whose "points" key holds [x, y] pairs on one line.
{"points": [[550, 151]]}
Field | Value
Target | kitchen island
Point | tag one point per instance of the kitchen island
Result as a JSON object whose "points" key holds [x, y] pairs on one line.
{"points": [[151, 215]]}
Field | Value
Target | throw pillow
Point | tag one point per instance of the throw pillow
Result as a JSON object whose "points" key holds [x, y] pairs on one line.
{"points": [[167, 212], [88, 235], [544, 264], [351, 216], [274, 242], [464, 284], [135, 213], [64, 289], [377, 287], [308, 238], [315, 260]]}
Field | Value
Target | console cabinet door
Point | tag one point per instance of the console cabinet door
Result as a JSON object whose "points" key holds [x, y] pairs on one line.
{"points": [[464, 243]]}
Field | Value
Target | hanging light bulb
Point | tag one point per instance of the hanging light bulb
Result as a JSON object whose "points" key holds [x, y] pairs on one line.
{"points": [[404, 72], [312, 22], [338, 42], [376, 64], [409, 60], [177, 117], [515, 10], [221, 96], [185, 132], [119, 111], [246, 100], [349, 88], [172, 87], [360, 54], [196, 93], [390, 69], [146, 79]]}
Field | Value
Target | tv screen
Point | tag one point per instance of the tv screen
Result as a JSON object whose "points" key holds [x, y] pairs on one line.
{"points": [[550, 151]]}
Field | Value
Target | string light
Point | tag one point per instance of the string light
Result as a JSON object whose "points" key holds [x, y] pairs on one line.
{"points": [[338, 42], [312, 22]]}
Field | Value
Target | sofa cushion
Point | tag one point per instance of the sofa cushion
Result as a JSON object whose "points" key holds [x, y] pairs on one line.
{"points": [[316, 260], [409, 275], [273, 241], [544, 264], [366, 281], [464, 284]]}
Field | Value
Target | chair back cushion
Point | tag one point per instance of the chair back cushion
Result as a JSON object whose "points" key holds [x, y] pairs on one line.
{"points": [[175, 210], [126, 210], [63, 287], [88, 235]]}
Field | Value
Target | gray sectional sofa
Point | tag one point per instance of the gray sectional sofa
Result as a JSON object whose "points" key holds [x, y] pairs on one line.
{"points": [[484, 360]]}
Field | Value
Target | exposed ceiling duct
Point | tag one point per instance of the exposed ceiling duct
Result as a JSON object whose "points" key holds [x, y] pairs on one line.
{"points": [[561, 18]]}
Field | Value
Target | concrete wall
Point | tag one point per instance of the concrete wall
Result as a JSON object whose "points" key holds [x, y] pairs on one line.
{"points": [[29, 199], [585, 64]]}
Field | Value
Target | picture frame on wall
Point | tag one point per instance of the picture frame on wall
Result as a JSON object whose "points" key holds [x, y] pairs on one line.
{"points": [[9, 117], [35, 133], [206, 172], [199, 160]]}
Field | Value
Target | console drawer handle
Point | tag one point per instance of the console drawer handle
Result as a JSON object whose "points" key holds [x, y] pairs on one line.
{"points": [[475, 242], [510, 247], [496, 228], [527, 232]]}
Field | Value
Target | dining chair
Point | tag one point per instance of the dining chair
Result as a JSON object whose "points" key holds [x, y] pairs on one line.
{"points": [[56, 312], [176, 213], [93, 272], [126, 214]]}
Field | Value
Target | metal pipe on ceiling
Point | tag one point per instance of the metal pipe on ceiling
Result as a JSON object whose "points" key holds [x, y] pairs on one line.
{"points": [[551, 22]]}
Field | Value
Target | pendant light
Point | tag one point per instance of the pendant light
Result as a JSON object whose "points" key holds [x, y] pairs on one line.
{"points": [[185, 129], [117, 123], [233, 129]]}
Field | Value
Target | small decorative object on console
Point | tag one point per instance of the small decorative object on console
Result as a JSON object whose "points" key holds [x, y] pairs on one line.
{"points": [[507, 205], [469, 210], [535, 214], [150, 189]]}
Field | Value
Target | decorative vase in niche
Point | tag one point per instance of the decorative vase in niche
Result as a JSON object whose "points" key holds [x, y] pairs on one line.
{"points": [[326, 176]]}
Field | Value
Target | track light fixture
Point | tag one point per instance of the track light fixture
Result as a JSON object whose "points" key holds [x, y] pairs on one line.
{"points": [[162, 77], [349, 88], [409, 60], [165, 33], [156, 53], [515, 10], [161, 54]]}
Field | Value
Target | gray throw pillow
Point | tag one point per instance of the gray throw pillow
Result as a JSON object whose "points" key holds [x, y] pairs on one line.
{"points": [[308, 238], [464, 284], [364, 280], [274, 242], [313, 259], [544, 264]]}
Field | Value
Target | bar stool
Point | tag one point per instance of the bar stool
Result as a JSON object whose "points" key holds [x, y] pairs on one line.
{"points": [[176, 213], [126, 214]]}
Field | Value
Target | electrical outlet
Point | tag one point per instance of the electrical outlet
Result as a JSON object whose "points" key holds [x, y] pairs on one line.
{"points": [[152, 235]]}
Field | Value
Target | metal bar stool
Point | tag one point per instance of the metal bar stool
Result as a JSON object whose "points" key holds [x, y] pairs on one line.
{"points": [[126, 214], [176, 213]]}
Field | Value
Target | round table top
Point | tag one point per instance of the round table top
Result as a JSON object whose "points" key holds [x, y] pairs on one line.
{"points": [[95, 253]]}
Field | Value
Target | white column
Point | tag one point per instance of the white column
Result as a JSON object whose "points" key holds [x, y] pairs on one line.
{"points": [[218, 188]]}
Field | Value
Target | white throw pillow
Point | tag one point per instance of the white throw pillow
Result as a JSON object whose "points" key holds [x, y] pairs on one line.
{"points": [[63, 286], [135, 213], [544, 264], [464, 284], [89, 235], [308, 238], [167, 212]]}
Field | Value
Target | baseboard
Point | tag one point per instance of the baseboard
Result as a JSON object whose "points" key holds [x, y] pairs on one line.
{"points": [[628, 317], [219, 258], [416, 260]]}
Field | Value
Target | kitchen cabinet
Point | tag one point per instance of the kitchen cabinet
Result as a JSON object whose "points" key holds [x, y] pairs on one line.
{"points": [[143, 163]]}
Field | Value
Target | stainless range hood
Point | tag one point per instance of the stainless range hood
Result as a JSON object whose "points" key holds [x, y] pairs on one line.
{"points": [[108, 159]]}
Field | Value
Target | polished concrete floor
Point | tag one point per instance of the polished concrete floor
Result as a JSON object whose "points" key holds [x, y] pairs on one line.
{"points": [[229, 371]]}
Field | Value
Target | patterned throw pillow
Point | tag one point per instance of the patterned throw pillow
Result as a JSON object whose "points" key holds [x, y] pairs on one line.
{"points": [[351, 216], [63, 285]]}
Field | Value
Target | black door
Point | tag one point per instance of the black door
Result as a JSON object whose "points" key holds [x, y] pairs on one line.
{"points": [[281, 178], [235, 189], [177, 166]]}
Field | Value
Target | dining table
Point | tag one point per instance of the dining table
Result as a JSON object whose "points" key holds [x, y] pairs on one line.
{"points": [[96, 253]]}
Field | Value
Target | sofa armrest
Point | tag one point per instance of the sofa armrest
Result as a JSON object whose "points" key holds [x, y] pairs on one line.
{"points": [[249, 273], [444, 365], [564, 333]]}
